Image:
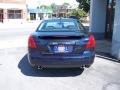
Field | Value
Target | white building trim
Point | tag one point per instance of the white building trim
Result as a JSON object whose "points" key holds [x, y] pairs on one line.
{"points": [[12, 6]]}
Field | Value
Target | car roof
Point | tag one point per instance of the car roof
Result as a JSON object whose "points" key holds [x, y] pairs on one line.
{"points": [[62, 19]]}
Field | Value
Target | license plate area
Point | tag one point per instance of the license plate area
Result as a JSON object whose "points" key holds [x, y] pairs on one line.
{"points": [[61, 49]]}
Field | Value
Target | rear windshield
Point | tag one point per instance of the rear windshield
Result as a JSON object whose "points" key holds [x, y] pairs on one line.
{"points": [[60, 26]]}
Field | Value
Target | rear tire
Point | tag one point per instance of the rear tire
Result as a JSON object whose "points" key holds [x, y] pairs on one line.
{"points": [[87, 66]]}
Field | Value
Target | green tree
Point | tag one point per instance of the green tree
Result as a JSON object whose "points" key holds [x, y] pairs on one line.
{"points": [[84, 4], [43, 6], [78, 12], [74, 12], [65, 4], [53, 6]]}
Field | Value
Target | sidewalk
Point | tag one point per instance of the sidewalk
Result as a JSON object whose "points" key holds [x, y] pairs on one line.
{"points": [[31, 24], [103, 50], [103, 46]]}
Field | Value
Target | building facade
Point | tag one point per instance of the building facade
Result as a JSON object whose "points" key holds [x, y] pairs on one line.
{"points": [[39, 13], [105, 22], [63, 11], [12, 11]]}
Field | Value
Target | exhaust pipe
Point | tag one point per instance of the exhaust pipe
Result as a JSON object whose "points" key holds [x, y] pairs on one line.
{"points": [[39, 67]]}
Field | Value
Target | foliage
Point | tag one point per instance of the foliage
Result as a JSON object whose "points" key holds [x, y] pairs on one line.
{"points": [[84, 4], [74, 12], [45, 7], [78, 12], [65, 4], [53, 6]]}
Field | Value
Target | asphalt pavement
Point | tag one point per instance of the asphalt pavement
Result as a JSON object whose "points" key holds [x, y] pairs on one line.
{"points": [[16, 73], [16, 35]]}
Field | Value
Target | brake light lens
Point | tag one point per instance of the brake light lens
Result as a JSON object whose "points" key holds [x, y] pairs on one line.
{"points": [[31, 42], [91, 43]]}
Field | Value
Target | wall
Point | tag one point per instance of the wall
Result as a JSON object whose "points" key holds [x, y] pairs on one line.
{"points": [[13, 1], [98, 18], [15, 5], [116, 32]]}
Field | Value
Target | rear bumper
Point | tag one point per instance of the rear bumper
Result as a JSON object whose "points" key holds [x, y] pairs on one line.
{"points": [[61, 61]]}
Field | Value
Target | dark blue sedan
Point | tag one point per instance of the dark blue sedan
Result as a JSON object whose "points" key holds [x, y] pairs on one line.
{"points": [[61, 43]]}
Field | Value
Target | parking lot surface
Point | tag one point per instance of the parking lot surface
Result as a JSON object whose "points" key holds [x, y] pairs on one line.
{"points": [[16, 74]]}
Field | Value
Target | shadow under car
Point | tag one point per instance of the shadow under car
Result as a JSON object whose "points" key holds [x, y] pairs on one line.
{"points": [[26, 69]]}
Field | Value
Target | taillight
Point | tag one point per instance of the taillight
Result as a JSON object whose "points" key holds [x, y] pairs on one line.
{"points": [[31, 42], [91, 42]]}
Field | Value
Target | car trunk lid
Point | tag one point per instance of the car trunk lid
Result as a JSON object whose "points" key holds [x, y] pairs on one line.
{"points": [[61, 42]]}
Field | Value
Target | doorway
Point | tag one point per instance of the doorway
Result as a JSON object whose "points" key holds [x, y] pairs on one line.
{"points": [[1, 15], [32, 16], [110, 19]]}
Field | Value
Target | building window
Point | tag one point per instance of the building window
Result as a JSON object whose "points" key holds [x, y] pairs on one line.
{"points": [[14, 14]]}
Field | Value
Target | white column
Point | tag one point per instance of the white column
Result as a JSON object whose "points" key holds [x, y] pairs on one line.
{"points": [[98, 18], [116, 32], [5, 16]]}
